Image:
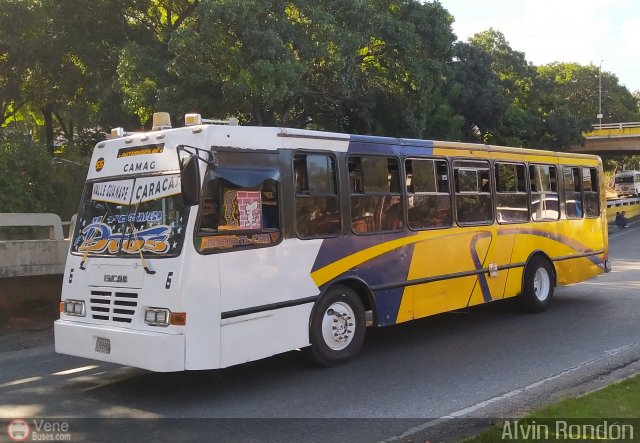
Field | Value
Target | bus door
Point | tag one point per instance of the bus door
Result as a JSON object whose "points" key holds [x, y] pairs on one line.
{"points": [[241, 208]]}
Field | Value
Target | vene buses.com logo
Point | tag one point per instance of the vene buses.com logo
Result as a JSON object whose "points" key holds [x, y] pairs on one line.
{"points": [[99, 164], [18, 429]]}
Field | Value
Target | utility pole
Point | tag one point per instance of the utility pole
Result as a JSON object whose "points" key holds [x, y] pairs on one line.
{"points": [[600, 94]]}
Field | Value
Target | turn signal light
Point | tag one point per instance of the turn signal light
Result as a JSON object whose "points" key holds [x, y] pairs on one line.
{"points": [[179, 318]]}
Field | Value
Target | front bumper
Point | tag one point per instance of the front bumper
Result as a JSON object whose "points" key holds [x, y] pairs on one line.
{"points": [[154, 351]]}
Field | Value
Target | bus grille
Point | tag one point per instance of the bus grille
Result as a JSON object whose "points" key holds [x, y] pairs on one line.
{"points": [[116, 306]]}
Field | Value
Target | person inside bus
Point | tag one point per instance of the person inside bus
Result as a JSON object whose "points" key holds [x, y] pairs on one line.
{"points": [[209, 220], [621, 220]]}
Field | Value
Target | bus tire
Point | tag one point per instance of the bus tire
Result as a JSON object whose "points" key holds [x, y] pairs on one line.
{"points": [[337, 327], [537, 285]]}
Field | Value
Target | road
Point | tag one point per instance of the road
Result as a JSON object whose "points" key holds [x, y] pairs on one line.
{"points": [[492, 361]]}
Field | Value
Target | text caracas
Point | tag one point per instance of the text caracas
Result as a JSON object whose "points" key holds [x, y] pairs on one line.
{"points": [[161, 187]]}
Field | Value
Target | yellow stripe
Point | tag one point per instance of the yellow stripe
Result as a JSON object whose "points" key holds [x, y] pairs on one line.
{"points": [[515, 156], [330, 271]]}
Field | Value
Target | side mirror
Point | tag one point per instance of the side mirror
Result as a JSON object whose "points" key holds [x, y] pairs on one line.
{"points": [[190, 180]]}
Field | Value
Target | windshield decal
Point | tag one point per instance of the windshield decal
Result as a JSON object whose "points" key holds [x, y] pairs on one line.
{"points": [[139, 217], [242, 210], [98, 238], [152, 188], [118, 192], [249, 204], [132, 216]]}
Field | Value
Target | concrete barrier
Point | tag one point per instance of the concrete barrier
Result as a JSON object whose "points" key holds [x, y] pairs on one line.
{"points": [[630, 205], [20, 258]]}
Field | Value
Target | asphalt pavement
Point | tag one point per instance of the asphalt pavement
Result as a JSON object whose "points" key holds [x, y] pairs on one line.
{"points": [[439, 378]]}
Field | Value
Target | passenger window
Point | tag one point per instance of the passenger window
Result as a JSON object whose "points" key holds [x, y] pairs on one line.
{"points": [[376, 201], [316, 198], [572, 192], [233, 215], [544, 193], [512, 205], [473, 192], [429, 199], [591, 192]]}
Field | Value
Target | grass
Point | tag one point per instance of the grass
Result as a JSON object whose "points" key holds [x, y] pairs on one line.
{"points": [[617, 401]]}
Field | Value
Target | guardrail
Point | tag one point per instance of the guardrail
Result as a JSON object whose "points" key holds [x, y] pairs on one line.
{"points": [[630, 205], [616, 125], [47, 256]]}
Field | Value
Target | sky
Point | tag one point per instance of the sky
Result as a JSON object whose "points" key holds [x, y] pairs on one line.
{"points": [[581, 31]]}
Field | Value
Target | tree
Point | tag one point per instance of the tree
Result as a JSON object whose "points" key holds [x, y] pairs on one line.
{"points": [[25, 172], [479, 94], [352, 66], [516, 79], [569, 102], [15, 26], [142, 67], [60, 59]]}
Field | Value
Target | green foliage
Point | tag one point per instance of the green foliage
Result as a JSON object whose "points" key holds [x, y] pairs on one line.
{"points": [[31, 181], [25, 172], [71, 70], [480, 99]]}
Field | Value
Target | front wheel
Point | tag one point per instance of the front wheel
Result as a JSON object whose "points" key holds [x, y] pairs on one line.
{"points": [[337, 327], [537, 286]]}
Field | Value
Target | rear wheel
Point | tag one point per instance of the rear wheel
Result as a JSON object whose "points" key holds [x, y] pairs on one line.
{"points": [[537, 286], [337, 327]]}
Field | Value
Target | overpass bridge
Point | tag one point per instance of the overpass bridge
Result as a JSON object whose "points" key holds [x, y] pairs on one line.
{"points": [[611, 138]]}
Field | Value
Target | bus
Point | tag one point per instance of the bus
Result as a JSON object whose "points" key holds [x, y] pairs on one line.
{"points": [[211, 245], [627, 183]]}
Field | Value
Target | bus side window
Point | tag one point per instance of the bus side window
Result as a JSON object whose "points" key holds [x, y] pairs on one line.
{"points": [[429, 200], [572, 192], [473, 192], [512, 204], [228, 208], [544, 193], [316, 196], [591, 192], [376, 200]]}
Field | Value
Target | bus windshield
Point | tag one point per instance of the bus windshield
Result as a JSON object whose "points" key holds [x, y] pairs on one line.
{"points": [[626, 178], [131, 216]]}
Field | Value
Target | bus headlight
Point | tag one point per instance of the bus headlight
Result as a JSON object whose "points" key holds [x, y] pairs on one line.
{"points": [[156, 317], [164, 317], [74, 307]]}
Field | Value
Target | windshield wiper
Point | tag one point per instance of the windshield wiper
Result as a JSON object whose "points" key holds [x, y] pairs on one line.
{"points": [[135, 235]]}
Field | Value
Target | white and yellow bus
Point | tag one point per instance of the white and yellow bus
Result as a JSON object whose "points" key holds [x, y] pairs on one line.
{"points": [[627, 183], [211, 245]]}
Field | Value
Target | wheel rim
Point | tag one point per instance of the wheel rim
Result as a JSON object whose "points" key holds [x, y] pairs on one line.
{"points": [[541, 284], [338, 326]]}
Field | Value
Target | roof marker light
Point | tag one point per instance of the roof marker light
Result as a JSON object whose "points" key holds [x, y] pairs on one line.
{"points": [[117, 132], [192, 119], [161, 120]]}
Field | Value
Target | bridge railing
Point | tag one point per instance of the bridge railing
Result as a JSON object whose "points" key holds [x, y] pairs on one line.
{"points": [[617, 125], [45, 256]]}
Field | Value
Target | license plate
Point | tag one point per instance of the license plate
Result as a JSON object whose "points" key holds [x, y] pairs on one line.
{"points": [[103, 345]]}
